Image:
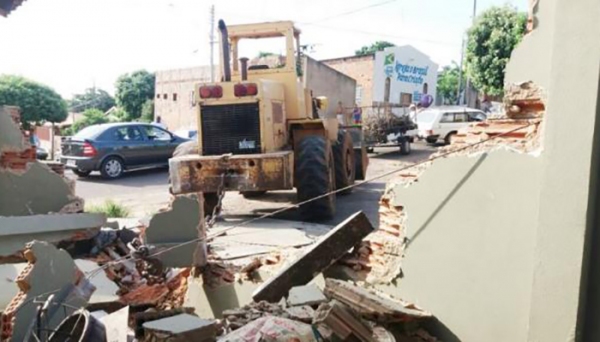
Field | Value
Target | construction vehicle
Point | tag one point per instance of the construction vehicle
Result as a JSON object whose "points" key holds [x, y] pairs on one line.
{"points": [[261, 128]]}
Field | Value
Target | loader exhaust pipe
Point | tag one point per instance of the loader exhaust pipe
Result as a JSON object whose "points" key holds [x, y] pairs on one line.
{"points": [[244, 67], [225, 47]]}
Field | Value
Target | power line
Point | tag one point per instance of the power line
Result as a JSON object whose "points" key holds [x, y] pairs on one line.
{"points": [[354, 11]]}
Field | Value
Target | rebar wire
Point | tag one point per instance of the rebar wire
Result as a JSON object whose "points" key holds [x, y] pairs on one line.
{"points": [[296, 205]]}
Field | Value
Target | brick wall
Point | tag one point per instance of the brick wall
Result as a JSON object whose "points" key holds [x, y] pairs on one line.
{"points": [[174, 99], [361, 69]]}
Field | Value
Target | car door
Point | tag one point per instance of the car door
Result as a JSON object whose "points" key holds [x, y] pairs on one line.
{"points": [[162, 143], [132, 144]]}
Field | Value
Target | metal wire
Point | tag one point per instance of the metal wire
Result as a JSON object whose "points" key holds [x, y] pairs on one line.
{"points": [[296, 205]]}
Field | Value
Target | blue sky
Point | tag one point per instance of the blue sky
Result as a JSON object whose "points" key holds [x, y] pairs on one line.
{"points": [[73, 44]]}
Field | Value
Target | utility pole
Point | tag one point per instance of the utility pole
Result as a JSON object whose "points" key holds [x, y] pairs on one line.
{"points": [[212, 43], [468, 85], [460, 71]]}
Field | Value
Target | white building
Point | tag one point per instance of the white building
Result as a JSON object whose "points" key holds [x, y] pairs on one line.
{"points": [[402, 75]]}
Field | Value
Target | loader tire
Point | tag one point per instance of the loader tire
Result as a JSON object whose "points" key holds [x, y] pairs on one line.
{"points": [[361, 161], [190, 148], [315, 176], [343, 155]]}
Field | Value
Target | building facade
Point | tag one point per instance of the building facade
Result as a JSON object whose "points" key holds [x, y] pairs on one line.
{"points": [[396, 76], [174, 99]]}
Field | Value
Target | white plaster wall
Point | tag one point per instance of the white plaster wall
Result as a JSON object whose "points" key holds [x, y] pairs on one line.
{"points": [[418, 68]]}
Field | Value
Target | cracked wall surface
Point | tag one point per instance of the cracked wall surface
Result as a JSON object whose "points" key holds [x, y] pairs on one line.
{"points": [[493, 239], [29, 187]]}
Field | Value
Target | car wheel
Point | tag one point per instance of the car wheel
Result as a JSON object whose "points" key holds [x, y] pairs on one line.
{"points": [[112, 168], [449, 138], [80, 173]]}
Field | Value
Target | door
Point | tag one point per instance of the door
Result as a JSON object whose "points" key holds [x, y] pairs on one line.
{"points": [[162, 142], [452, 122], [131, 144]]}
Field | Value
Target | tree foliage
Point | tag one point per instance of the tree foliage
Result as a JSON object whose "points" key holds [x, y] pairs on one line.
{"points": [[90, 117], [147, 111], [39, 103], [91, 98], [377, 46], [447, 84], [132, 92], [491, 40]]}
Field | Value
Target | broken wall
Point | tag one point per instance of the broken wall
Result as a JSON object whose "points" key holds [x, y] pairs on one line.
{"points": [[28, 186], [497, 242]]}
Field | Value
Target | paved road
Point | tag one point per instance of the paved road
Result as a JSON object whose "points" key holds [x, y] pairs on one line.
{"points": [[144, 192]]}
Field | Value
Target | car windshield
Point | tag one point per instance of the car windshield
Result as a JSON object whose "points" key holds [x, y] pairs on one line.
{"points": [[89, 132], [426, 116]]}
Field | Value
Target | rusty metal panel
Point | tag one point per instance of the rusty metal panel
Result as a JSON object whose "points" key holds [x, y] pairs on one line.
{"points": [[252, 172]]}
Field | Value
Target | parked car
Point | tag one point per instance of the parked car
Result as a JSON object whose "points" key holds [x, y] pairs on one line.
{"points": [[442, 123], [117, 147], [187, 133]]}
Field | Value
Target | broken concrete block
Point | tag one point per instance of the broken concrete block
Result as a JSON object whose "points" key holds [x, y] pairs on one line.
{"points": [[276, 328], [316, 258], [106, 289], [372, 304], [49, 272], [301, 313], [180, 328], [182, 223], [11, 137], [342, 322], [116, 326], [33, 190], [306, 295], [17, 231]]}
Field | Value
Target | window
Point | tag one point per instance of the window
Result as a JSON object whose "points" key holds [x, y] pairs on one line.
{"points": [[158, 96], [358, 95], [174, 96], [165, 96], [157, 134], [127, 133], [461, 117], [447, 117], [476, 117], [425, 88]]}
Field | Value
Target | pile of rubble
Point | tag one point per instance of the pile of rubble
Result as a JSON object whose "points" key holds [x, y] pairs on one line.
{"points": [[377, 260]]}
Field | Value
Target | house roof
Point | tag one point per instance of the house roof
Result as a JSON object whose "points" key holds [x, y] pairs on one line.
{"points": [[7, 6]]}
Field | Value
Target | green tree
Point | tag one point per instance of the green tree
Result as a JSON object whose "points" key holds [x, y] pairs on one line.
{"points": [[377, 46], [447, 84], [90, 117], [39, 103], [132, 92], [147, 111], [491, 41], [91, 98]]}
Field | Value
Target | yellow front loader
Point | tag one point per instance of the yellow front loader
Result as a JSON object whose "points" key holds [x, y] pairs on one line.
{"points": [[261, 129]]}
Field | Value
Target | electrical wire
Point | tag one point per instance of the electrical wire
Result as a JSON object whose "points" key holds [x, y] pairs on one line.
{"points": [[296, 205]]}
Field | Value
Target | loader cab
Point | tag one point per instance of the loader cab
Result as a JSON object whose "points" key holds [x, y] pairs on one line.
{"points": [[239, 39]]}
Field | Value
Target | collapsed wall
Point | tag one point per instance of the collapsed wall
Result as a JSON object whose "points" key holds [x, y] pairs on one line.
{"points": [[29, 187], [457, 232]]}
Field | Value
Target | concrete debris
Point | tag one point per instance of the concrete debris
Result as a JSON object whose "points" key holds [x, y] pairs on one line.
{"points": [[182, 222], [17, 231], [303, 314], [116, 326], [272, 329], [372, 304], [342, 322], [180, 328], [139, 318], [48, 271], [305, 295], [29, 187], [316, 258]]}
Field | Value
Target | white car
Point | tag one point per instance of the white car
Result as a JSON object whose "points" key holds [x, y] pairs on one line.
{"points": [[442, 123]]}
